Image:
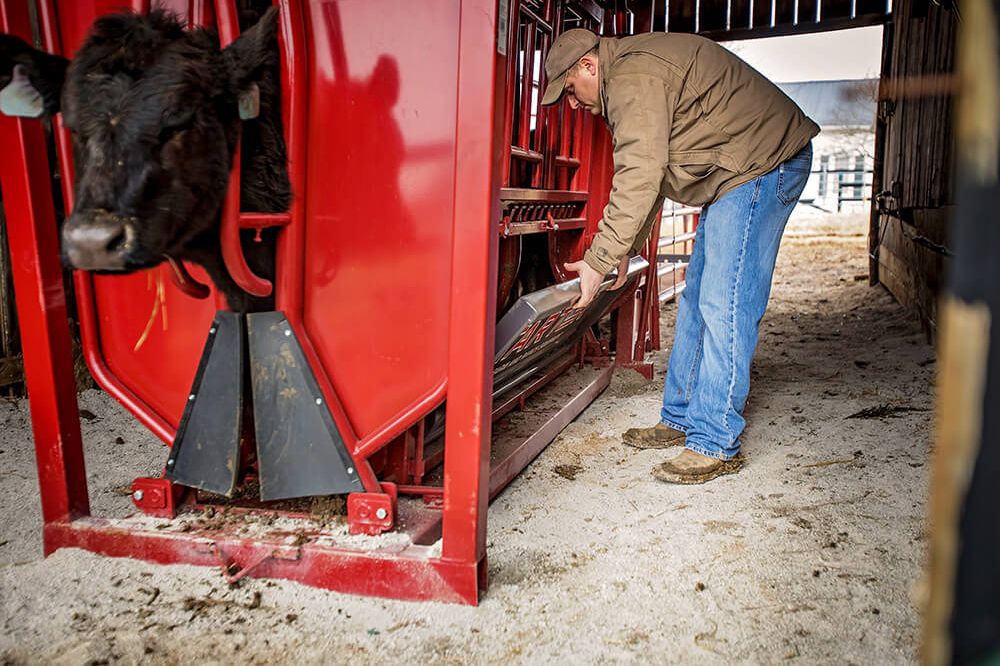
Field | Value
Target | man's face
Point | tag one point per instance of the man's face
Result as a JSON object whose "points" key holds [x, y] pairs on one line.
{"points": [[582, 88]]}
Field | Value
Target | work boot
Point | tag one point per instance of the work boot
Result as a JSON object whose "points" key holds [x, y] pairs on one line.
{"points": [[692, 467], [659, 436]]}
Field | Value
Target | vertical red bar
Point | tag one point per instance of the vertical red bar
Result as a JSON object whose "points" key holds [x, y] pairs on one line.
{"points": [[536, 134], [228, 25], [653, 285], [527, 80], [510, 63], [200, 13], [41, 304], [544, 171], [625, 321], [473, 293], [584, 137], [294, 91]]}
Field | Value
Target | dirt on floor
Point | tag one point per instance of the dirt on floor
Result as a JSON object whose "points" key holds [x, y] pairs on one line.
{"points": [[812, 553]]}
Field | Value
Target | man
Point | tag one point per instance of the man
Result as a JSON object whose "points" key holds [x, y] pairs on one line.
{"points": [[691, 122]]}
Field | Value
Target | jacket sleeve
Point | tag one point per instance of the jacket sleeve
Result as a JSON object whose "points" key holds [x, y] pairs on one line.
{"points": [[639, 112]]}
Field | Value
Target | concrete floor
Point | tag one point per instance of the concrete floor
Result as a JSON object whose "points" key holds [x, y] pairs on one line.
{"points": [[812, 553]]}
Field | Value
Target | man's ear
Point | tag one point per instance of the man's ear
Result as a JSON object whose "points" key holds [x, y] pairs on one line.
{"points": [[31, 81], [246, 59]]}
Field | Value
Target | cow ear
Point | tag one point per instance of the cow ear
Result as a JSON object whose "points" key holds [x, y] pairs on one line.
{"points": [[21, 99], [31, 81], [248, 57]]}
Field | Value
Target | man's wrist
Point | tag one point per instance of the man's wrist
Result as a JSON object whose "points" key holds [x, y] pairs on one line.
{"points": [[603, 267]]}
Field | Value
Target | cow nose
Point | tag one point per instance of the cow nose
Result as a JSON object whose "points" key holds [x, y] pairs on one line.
{"points": [[98, 242]]}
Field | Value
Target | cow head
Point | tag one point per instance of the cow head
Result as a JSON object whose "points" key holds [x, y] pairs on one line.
{"points": [[155, 112]]}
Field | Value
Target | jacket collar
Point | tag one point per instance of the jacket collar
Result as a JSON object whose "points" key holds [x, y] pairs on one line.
{"points": [[608, 49]]}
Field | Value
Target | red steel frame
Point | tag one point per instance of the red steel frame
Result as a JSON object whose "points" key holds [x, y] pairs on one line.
{"points": [[459, 572], [483, 147]]}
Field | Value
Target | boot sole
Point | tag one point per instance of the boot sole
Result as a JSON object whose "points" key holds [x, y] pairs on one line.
{"points": [[661, 473]]}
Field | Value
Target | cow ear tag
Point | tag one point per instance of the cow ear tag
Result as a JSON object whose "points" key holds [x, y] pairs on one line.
{"points": [[249, 102], [20, 99]]}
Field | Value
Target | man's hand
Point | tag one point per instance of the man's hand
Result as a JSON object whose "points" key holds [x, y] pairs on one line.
{"points": [[622, 273], [590, 280]]}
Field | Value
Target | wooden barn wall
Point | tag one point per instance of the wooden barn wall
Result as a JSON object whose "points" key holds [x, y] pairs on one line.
{"points": [[910, 221]]}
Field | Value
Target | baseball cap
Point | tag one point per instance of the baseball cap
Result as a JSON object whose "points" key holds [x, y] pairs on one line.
{"points": [[566, 50]]}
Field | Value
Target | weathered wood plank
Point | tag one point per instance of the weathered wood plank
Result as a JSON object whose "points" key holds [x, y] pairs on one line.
{"points": [[8, 328], [11, 370], [932, 223], [912, 273], [918, 158]]}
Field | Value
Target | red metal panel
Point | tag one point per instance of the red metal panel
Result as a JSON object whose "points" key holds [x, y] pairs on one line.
{"points": [[161, 370], [378, 235], [290, 286]]}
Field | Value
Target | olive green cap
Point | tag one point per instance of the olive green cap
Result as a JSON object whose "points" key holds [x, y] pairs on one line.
{"points": [[567, 49]]}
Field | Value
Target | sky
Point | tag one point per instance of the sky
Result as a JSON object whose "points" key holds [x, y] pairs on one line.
{"points": [[824, 56]]}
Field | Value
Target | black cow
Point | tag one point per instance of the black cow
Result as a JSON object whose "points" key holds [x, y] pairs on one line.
{"points": [[155, 111]]}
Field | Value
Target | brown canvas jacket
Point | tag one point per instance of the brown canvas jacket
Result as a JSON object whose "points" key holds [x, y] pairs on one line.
{"points": [[689, 121]]}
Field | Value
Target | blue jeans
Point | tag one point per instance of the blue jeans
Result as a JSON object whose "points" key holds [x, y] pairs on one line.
{"points": [[728, 285]]}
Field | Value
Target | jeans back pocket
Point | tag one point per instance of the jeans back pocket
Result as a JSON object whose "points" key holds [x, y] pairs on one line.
{"points": [[793, 174]]}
